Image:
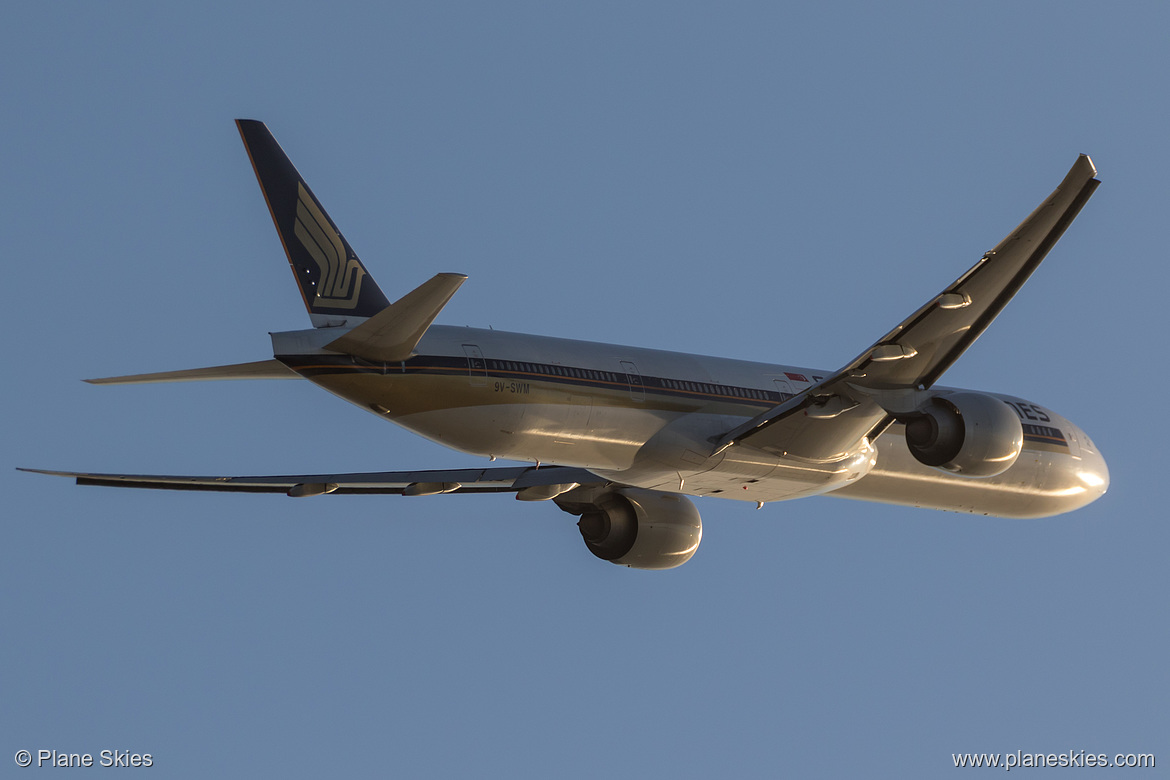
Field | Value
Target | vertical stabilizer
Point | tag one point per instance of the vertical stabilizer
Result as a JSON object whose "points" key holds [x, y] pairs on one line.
{"points": [[334, 284]]}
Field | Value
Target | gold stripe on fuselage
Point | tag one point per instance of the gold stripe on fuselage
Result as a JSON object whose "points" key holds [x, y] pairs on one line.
{"points": [[428, 388]]}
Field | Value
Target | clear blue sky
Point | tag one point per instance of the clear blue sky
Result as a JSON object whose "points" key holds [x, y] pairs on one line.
{"points": [[758, 180]]}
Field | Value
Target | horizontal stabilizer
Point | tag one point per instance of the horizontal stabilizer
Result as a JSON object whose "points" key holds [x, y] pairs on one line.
{"points": [[261, 369], [392, 334], [505, 479]]}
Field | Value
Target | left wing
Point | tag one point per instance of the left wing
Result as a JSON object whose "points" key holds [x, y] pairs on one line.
{"points": [[824, 421], [529, 483], [921, 348]]}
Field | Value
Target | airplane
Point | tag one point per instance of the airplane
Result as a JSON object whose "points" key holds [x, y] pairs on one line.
{"points": [[622, 437]]}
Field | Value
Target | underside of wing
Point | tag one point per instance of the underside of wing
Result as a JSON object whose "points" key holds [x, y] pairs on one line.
{"points": [[528, 482]]}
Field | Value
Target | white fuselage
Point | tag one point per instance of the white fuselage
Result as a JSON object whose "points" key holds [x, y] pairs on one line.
{"points": [[649, 418]]}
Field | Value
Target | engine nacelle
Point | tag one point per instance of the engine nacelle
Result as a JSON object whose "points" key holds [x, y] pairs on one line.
{"points": [[642, 529], [971, 434]]}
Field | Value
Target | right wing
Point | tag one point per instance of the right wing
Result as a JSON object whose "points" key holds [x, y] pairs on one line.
{"points": [[531, 483], [829, 418]]}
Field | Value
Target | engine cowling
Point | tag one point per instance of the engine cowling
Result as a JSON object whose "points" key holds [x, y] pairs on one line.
{"points": [[971, 434], [642, 529]]}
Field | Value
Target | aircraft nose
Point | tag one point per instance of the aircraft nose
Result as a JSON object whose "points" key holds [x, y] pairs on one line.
{"points": [[1091, 472], [1075, 480], [1094, 473]]}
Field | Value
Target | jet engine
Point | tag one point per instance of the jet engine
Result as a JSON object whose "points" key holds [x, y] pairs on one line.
{"points": [[970, 434], [642, 529]]}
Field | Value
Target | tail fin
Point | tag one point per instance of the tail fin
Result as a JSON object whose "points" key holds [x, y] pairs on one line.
{"points": [[334, 284]]}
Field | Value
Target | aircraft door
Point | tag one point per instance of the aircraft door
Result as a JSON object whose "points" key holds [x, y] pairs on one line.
{"points": [[476, 365], [637, 389], [784, 386]]}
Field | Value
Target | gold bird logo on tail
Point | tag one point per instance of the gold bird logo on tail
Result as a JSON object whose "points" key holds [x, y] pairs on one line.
{"points": [[341, 276]]}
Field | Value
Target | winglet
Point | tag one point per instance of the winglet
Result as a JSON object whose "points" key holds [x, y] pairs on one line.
{"points": [[334, 284], [392, 334], [1082, 170]]}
